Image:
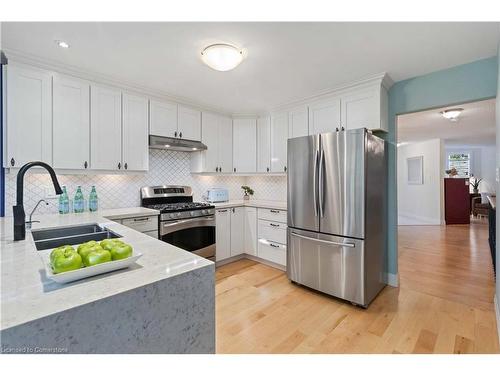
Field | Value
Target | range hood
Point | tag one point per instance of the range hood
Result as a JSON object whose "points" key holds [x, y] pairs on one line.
{"points": [[175, 144]]}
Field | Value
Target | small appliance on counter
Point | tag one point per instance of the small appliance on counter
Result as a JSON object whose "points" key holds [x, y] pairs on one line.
{"points": [[215, 195]]}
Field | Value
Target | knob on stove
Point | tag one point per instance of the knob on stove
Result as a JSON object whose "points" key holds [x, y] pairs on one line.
{"points": [[172, 215], [192, 213]]}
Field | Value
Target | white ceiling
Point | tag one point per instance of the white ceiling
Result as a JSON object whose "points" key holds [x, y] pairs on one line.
{"points": [[285, 62], [475, 126]]}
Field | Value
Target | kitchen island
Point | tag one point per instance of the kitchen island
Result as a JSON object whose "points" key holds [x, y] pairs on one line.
{"points": [[165, 303]]}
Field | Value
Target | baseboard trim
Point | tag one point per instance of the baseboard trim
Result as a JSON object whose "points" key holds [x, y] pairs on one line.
{"points": [[392, 279], [497, 313], [266, 262]]}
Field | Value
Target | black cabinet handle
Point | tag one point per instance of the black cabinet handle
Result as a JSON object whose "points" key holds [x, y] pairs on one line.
{"points": [[12, 162], [222, 210], [85, 164], [234, 169], [233, 210], [126, 165], [175, 134], [119, 165], [220, 169], [217, 169], [267, 169], [142, 219], [273, 245], [180, 135], [274, 225], [275, 211], [284, 168]]}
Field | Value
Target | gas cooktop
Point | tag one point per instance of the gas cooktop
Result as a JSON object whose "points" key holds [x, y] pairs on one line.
{"points": [[182, 206]]}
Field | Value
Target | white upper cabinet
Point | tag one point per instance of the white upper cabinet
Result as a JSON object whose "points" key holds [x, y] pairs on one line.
{"points": [[244, 145], [225, 144], [279, 137], [189, 123], [365, 108], [324, 116], [298, 122], [28, 115], [135, 149], [71, 123], [163, 118], [217, 135], [105, 128], [264, 144]]}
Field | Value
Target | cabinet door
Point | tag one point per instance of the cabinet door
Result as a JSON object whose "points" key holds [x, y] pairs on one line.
{"points": [[244, 145], [163, 118], [279, 137], [222, 234], [28, 115], [264, 144], [105, 128], [251, 230], [210, 129], [298, 122], [324, 116], [189, 123], [237, 230], [71, 125], [361, 109], [135, 133], [225, 144]]}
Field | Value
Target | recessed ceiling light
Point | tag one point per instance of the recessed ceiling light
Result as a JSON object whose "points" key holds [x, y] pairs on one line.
{"points": [[222, 57], [62, 43], [452, 113]]}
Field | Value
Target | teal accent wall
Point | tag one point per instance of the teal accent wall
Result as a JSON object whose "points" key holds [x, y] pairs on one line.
{"points": [[464, 83]]}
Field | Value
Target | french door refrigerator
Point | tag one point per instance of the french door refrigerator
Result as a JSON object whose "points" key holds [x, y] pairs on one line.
{"points": [[336, 236]]}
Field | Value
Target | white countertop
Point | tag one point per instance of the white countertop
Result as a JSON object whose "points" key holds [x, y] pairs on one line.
{"points": [[26, 293], [276, 205]]}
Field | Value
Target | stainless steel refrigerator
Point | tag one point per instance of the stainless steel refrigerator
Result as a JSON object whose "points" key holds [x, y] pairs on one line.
{"points": [[336, 236]]}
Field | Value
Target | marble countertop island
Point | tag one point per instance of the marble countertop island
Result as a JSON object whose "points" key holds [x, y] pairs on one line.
{"points": [[163, 303]]}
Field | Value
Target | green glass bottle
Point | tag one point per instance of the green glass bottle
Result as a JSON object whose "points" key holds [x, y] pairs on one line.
{"points": [[93, 200], [78, 202], [64, 202]]}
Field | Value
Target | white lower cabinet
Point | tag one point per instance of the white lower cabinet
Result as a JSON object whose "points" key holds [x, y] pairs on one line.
{"points": [[144, 224], [240, 230], [222, 234], [251, 231]]}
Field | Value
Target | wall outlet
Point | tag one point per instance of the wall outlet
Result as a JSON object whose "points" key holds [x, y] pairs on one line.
{"points": [[50, 193]]}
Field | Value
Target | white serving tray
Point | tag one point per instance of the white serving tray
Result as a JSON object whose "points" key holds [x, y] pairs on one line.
{"points": [[82, 273]]}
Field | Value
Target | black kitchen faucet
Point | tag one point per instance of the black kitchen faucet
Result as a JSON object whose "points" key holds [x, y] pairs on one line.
{"points": [[19, 215]]}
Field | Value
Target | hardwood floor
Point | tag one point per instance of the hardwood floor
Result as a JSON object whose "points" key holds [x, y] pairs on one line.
{"points": [[444, 304]]}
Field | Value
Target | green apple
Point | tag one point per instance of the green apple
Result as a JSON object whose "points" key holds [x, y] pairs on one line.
{"points": [[86, 244], [109, 243], [121, 251], [59, 251], [69, 260], [85, 250], [97, 257]]}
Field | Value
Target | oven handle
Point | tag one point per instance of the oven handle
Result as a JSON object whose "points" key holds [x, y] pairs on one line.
{"points": [[171, 226]]}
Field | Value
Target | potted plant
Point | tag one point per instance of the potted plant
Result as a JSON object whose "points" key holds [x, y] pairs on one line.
{"points": [[475, 184], [248, 191]]}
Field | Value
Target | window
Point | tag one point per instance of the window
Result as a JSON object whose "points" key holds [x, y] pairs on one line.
{"points": [[461, 162]]}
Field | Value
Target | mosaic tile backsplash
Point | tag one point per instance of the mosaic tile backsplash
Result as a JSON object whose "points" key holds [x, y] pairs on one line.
{"points": [[117, 191]]}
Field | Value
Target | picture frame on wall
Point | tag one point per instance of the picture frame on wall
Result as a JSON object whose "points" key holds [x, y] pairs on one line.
{"points": [[415, 167]]}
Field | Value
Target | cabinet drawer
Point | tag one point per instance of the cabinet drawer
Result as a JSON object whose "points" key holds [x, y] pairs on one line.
{"points": [[272, 231], [272, 214], [272, 252], [142, 224]]}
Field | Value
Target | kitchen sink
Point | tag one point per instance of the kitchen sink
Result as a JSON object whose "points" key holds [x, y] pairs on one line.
{"points": [[70, 235]]}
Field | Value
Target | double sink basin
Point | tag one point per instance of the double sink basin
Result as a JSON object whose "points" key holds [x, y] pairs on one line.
{"points": [[70, 235]]}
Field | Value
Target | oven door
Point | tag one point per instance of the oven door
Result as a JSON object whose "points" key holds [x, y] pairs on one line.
{"points": [[196, 235]]}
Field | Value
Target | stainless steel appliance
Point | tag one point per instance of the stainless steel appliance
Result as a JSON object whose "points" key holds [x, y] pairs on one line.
{"points": [[336, 235], [214, 195], [183, 223]]}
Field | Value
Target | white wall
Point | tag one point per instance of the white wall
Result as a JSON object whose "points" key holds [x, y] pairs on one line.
{"points": [[482, 164], [421, 204]]}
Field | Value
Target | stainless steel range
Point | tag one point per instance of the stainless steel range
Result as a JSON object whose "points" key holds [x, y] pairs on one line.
{"points": [[183, 223]]}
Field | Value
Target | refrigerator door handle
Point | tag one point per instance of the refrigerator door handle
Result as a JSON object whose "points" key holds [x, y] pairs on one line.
{"points": [[346, 244], [315, 187], [321, 182]]}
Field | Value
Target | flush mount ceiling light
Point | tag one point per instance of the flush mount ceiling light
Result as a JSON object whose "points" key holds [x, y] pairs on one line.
{"points": [[61, 43], [222, 57], [452, 114]]}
